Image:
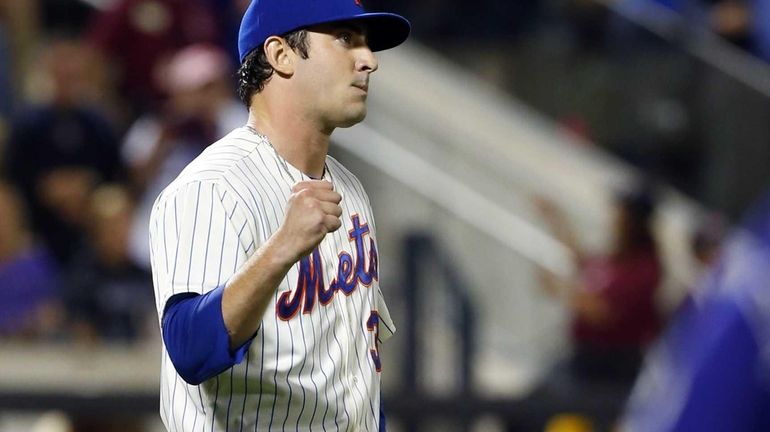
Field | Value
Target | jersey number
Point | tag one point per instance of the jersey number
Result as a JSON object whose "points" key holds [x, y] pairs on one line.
{"points": [[373, 324]]}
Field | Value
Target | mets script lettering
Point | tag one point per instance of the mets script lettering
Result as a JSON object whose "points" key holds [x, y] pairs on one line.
{"points": [[350, 274]]}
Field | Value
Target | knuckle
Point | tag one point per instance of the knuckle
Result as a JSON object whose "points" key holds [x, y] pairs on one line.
{"points": [[304, 195], [304, 185], [321, 228]]}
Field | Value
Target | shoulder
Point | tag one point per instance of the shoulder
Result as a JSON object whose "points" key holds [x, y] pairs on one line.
{"points": [[344, 177], [335, 166], [221, 161], [221, 169]]}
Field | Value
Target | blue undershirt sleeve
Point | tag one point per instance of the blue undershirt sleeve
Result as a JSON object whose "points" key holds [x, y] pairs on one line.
{"points": [[196, 338]]}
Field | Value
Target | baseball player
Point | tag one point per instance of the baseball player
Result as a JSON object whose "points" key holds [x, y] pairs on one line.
{"points": [[264, 250]]}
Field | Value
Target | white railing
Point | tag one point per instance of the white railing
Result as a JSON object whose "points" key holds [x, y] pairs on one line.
{"points": [[474, 157]]}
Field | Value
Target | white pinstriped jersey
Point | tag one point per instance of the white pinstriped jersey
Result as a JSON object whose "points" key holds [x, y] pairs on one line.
{"points": [[313, 364]]}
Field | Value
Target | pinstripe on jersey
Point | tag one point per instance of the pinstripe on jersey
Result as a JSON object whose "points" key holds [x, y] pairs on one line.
{"points": [[311, 372]]}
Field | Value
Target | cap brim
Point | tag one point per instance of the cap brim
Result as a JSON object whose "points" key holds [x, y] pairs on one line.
{"points": [[385, 30]]}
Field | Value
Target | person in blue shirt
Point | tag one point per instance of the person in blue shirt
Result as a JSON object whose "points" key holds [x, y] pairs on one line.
{"points": [[711, 370]]}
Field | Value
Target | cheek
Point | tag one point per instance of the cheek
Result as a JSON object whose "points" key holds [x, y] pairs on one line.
{"points": [[314, 77], [326, 79]]}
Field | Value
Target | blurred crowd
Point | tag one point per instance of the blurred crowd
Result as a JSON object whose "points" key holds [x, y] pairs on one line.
{"points": [[100, 108], [744, 23], [102, 103]]}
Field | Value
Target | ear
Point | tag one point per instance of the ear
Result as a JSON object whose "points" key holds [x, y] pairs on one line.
{"points": [[280, 55]]}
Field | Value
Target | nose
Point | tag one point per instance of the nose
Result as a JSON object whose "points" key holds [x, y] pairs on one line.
{"points": [[367, 61]]}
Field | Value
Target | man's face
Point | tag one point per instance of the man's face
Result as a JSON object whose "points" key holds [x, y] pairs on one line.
{"points": [[335, 76]]}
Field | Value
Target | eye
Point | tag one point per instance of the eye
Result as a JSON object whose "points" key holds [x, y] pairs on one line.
{"points": [[346, 37]]}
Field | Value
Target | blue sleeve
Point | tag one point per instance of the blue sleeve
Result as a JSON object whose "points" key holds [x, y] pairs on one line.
{"points": [[725, 390], [196, 338]]}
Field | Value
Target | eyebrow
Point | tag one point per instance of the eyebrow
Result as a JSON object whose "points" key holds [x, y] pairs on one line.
{"points": [[352, 26]]}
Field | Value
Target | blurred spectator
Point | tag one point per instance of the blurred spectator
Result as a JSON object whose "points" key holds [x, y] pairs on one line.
{"points": [[613, 304], [59, 150], [6, 88], [64, 17], [741, 22], [30, 304], [731, 20], [107, 296], [744, 23], [200, 109], [228, 14], [710, 370], [138, 36], [613, 301], [18, 34], [706, 248], [707, 241]]}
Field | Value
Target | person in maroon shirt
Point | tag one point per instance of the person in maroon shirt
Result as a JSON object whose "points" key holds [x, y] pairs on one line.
{"points": [[612, 301], [615, 316]]}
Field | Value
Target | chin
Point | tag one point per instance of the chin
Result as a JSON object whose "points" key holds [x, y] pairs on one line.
{"points": [[353, 119]]}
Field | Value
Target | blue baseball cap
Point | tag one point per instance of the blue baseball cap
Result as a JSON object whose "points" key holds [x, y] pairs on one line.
{"points": [[265, 18]]}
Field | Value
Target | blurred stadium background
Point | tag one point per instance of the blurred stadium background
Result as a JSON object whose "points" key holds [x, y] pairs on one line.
{"points": [[492, 108]]}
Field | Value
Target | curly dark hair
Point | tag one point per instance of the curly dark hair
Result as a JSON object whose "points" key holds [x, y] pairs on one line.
{"points": [[255, 70]]}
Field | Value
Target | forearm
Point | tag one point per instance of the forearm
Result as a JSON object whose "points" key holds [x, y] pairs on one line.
{"points": [[206, 334], [591, 307], [562, 231], [247, 295]]}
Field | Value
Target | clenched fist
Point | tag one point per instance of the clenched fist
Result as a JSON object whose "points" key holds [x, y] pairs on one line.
{"points": [[313, 210]]}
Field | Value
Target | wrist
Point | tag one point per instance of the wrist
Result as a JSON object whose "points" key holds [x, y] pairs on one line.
{"points": [[278, 254]]}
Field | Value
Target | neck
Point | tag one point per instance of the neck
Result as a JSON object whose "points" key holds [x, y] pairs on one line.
{"points": [[295, 138]]}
